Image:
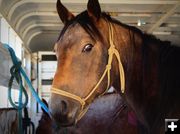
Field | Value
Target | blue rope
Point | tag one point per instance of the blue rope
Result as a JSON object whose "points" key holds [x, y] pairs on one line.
{"points": [[17, 72], [15, 75]]}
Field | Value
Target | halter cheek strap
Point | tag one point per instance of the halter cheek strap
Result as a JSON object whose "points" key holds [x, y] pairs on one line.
{"points": [[111, 52]]}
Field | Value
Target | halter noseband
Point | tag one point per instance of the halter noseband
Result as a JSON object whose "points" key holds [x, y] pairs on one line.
{"points": [[111, 51]]}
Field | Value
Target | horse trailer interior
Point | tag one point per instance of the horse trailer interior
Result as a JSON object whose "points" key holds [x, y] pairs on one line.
{"points": [[32, 28]]}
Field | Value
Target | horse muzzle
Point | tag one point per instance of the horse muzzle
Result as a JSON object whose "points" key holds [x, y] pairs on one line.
{"points": [[64, 111]]}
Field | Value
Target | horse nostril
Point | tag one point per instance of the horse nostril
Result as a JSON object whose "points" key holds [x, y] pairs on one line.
{"points": [[64, 109]]}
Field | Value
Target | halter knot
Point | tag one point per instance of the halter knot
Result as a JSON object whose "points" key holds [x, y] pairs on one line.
{"points": [[108, 67], [111, 50]]}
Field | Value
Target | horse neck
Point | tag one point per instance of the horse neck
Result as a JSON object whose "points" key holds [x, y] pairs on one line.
{"points": [[140, 61], [144, 59]]}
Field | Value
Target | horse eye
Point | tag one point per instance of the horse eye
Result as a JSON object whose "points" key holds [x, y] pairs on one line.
{"points": [[87, 48]]}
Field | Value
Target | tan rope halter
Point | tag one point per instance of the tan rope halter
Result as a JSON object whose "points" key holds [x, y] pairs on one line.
{"points": [[111, 51]]}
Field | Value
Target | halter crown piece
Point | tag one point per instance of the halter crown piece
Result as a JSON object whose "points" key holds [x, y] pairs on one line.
{"points": [[111, 51]]}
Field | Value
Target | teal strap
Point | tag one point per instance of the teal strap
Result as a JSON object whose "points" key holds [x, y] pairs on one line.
{"points": [[22, 72], [17, 73]]}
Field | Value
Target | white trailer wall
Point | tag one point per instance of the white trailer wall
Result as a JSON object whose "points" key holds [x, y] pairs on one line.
{"points": [[8, 36], [4, 30]]}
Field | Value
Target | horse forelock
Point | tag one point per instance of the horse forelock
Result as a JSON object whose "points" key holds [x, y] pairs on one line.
{"points": [[85, 22]]}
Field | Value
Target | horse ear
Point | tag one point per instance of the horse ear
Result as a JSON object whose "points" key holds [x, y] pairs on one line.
{"points": [[63, 12], [94, 9]]}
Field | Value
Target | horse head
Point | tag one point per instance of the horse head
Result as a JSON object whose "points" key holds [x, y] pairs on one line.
{"points": [[86, 67]]}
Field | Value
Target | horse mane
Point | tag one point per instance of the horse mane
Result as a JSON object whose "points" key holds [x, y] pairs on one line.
{"points": [[148, 38]]}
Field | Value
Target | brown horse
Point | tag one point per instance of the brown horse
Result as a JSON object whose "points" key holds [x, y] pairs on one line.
{"points": [[107, 114], [86, 64]]}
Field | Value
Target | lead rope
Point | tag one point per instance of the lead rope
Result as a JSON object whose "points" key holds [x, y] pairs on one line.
{"points": [[17, 73]]}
